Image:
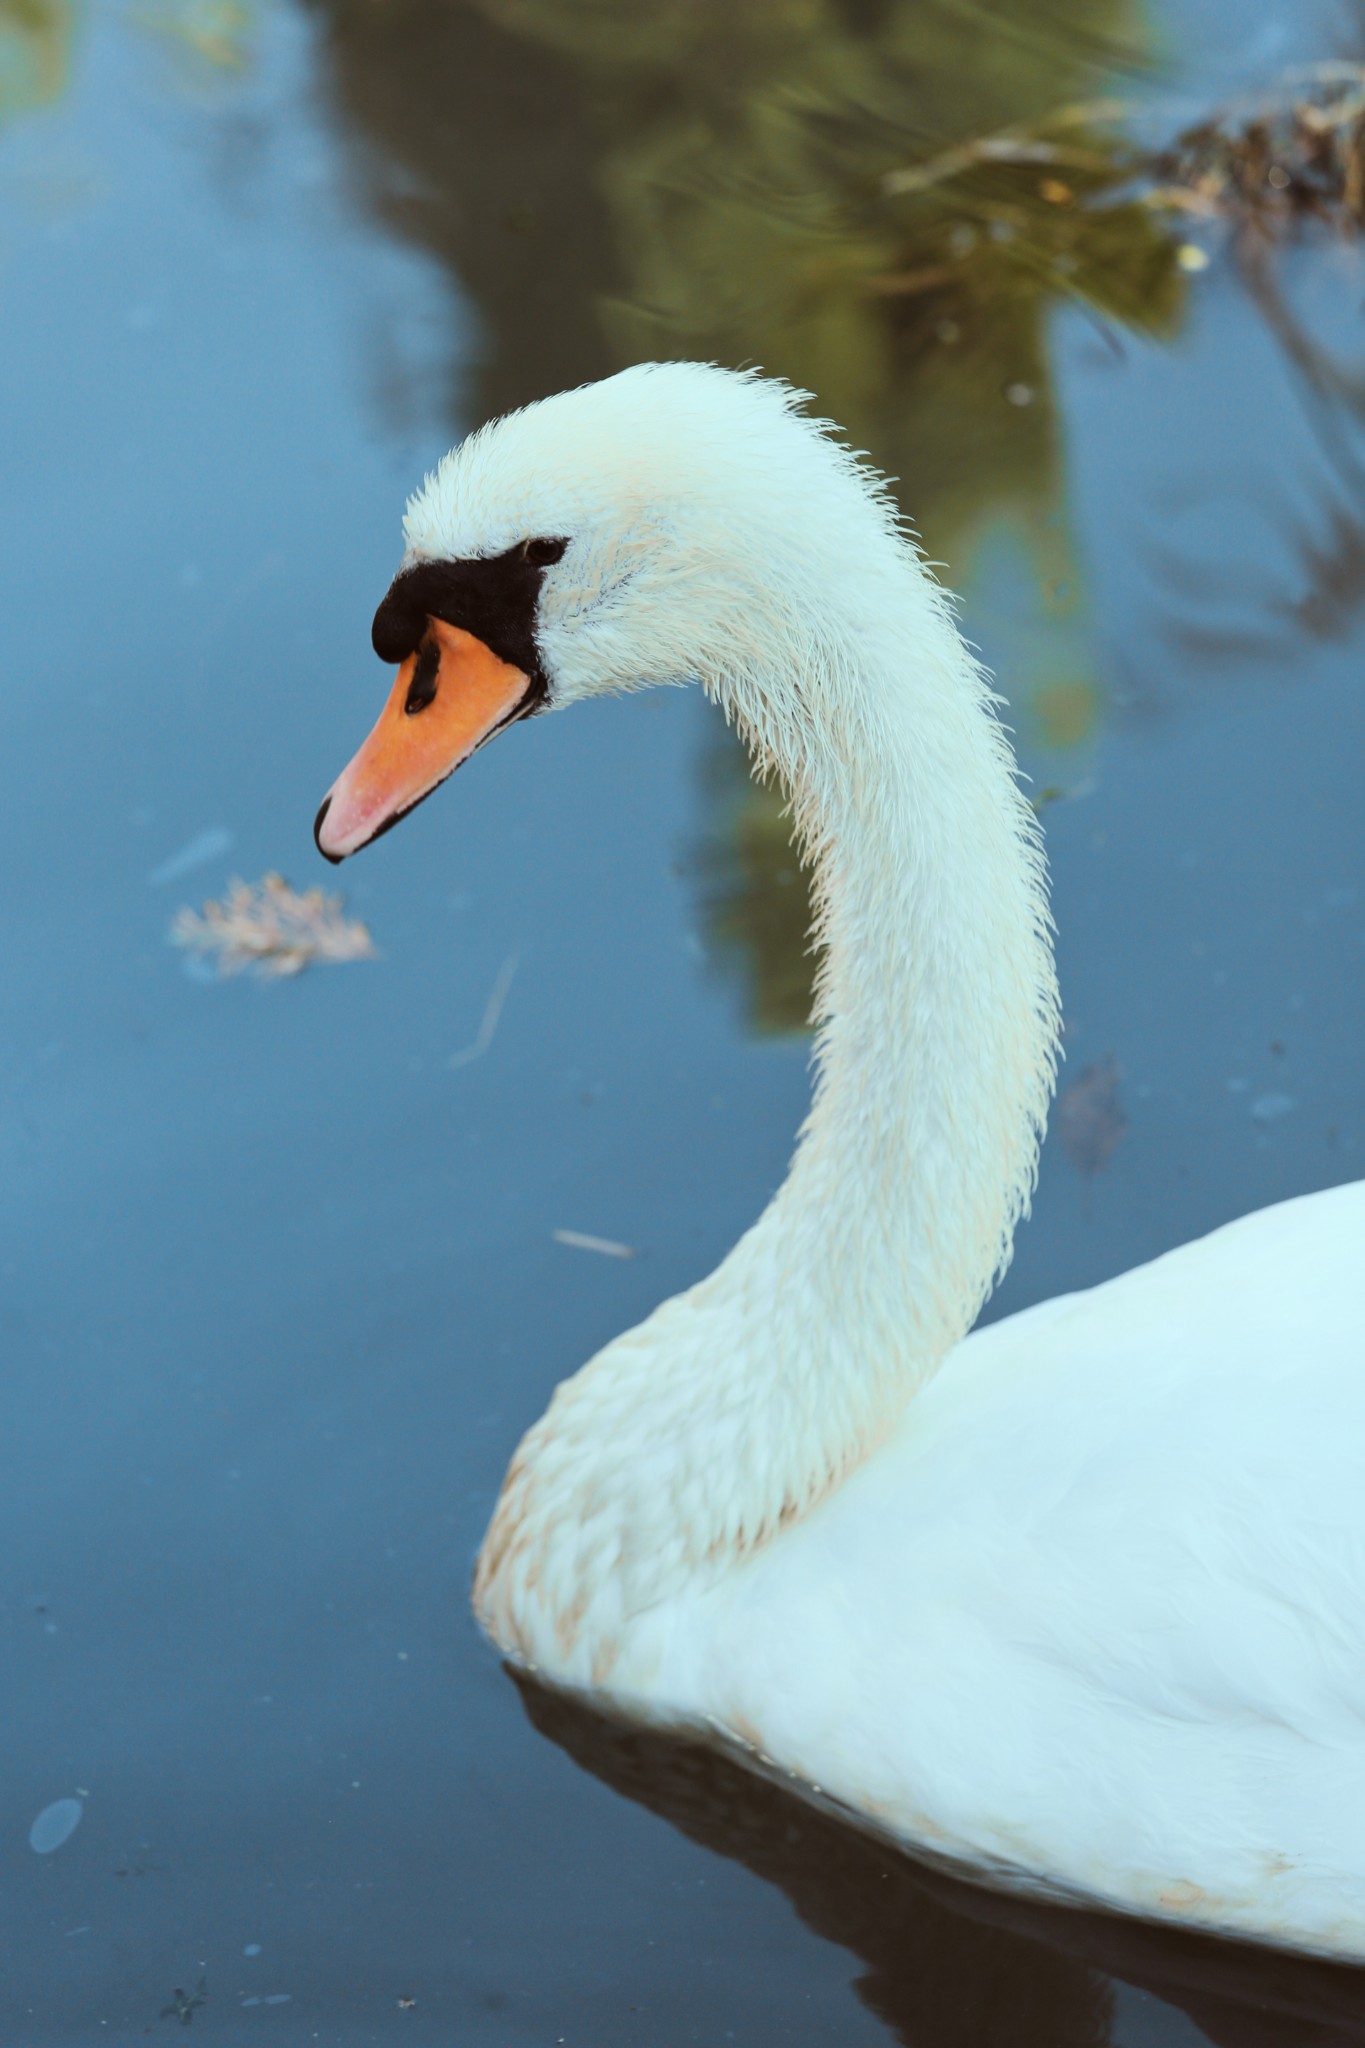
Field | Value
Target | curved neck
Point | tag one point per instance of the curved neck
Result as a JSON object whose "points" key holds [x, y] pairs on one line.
{"points": [[737, 1405], [936, 1003]]}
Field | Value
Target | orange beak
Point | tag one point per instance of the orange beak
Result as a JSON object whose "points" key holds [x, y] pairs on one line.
{"points": [[449, 697]]}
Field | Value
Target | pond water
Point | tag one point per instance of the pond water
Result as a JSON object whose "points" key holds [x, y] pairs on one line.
{"points": [[279, 1283]]}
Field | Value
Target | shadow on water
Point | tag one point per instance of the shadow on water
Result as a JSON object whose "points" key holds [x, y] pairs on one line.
{"points": [[948, 1964]]}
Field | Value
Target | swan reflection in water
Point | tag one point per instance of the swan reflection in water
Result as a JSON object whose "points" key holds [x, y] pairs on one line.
{"points": [[949, 1964]]}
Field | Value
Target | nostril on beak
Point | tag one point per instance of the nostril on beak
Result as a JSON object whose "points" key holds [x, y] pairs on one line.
{"points": [[334, 858]]}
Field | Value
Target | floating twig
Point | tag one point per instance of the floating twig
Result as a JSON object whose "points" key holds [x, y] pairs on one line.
{"points": [[492, 1012], [580, 1241], [1011, 146]]}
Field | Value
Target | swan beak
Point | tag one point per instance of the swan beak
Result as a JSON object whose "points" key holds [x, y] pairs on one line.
{"points": [[451, 695]]}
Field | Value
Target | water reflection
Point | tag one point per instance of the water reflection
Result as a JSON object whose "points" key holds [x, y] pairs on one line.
{"points": [[479, 150], [889, 206], [948, 1964], [35, 45], [208, 37], [733, 183]]}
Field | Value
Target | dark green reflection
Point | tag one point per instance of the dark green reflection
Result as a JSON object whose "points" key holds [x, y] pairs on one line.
{"points": [[786, 185], [825, 190], [35, 44]]}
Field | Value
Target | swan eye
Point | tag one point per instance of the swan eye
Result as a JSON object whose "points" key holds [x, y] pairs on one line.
{"points": [[540, 553], [422, 688]]}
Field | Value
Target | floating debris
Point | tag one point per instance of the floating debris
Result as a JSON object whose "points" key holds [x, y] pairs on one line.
{"points": [[580, 1241], [271, 929], [184, 2005], [205, 846], [55, 1824], [1089, 1120], [492, 1012], [1058, 792]]}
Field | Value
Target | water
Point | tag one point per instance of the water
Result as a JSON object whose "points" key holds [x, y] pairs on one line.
{"points": [[280, 1283]]}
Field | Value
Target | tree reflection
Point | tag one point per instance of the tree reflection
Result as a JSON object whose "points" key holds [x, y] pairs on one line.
{"points": [[804, 184]]}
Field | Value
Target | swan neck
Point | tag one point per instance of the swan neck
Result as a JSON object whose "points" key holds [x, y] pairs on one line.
{"points": [[737, 1406]]}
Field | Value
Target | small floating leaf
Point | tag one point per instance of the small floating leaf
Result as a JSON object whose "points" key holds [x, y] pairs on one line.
{"points": [[271, 929]]}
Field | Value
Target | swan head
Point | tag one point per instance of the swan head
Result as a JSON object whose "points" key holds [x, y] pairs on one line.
{"points": [[662, 526]]}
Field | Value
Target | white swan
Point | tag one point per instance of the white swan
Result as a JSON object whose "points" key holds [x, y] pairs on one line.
{"points": [[1077, 1601]]}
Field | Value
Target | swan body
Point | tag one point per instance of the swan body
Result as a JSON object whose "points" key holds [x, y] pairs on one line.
{"points": [[1091, 1620], [1075, 1602]]}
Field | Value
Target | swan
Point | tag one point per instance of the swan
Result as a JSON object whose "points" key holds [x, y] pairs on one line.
{"points": [[1075, 1603]]}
